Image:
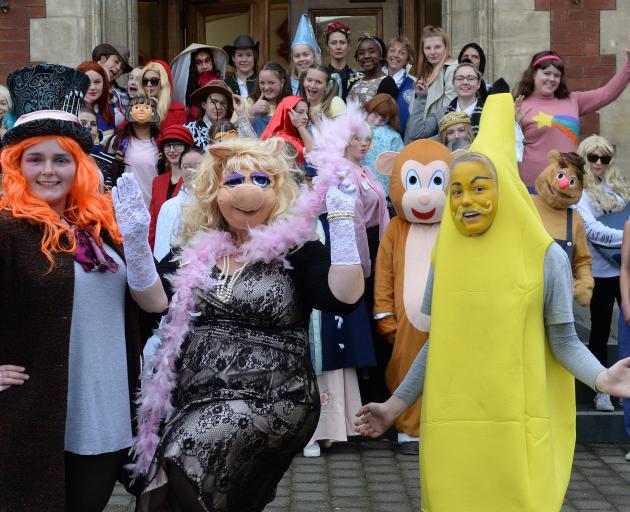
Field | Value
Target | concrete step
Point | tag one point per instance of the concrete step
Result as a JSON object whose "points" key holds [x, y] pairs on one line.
{"points": [[600, 427]]}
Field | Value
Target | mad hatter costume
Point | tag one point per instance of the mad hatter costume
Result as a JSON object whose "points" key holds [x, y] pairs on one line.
{"points": [[68, 318]]}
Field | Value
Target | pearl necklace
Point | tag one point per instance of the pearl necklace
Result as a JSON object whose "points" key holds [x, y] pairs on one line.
{"points": [[225, 289]]}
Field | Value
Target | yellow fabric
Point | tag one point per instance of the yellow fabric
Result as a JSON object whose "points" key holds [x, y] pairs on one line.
{"points": [[498, 415]]}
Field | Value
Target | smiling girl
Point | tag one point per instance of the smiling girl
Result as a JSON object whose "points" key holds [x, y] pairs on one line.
{"points": [[320, 92], [550, 113], [271, 88], [370, 55], [97, 96]]}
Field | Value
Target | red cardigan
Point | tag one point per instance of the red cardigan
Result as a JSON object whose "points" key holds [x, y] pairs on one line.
{"points": [[159, 190]]}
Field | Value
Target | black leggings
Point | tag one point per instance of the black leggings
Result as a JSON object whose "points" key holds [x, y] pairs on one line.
{"points": [[605, 293], [90, 480]]}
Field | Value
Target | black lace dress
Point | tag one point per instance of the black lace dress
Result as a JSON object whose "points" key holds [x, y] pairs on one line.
{"points": [[247, 400]]}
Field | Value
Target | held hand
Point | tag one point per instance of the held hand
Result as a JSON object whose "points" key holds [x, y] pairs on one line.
{"points": [[615, 380], [296, 119], [420, 87], [239, 105], [375, 419], [11, 375], [626, 312], [519, 113], [131, 212], [342, 198], [260, 107]]}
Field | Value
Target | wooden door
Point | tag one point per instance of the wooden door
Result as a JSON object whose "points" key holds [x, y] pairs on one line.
{"points": [[230, 18]]}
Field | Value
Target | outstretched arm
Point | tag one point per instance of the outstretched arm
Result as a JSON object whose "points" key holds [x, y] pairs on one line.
{"points": [[374, 419]]}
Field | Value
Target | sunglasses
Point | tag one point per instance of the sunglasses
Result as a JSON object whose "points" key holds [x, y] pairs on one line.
{"points": [[605, 160], [151, 81]]}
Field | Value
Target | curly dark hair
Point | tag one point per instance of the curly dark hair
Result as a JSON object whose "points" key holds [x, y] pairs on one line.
{"points": [[375, 39], [526, 85]]}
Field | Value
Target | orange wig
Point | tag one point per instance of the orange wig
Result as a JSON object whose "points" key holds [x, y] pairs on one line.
{"points": [[86, 206]]}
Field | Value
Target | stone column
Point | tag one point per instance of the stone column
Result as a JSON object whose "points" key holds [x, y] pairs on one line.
{"points": [[72, 28]]}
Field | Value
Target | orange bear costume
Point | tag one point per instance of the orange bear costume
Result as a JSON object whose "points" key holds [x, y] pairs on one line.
{"points": [[559, 187], [419, 175]]}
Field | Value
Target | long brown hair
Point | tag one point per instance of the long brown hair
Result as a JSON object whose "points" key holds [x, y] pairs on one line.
{"points": [[281, 74], [526, 86], [427, 71], [103, 102]]}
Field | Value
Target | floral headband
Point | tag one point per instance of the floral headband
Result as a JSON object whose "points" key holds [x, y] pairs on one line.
{"points": [[337, 26]]}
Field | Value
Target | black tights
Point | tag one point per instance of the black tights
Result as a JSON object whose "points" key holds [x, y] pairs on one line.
{"points": [[605, 293], [90, 480]]}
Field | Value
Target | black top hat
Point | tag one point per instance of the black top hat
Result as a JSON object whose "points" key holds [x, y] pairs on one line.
{"points": [[46, 101], [241, 42], [113, 49]]}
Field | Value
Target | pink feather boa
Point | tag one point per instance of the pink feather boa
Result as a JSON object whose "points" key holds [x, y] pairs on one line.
{"points": [[268, 243]]}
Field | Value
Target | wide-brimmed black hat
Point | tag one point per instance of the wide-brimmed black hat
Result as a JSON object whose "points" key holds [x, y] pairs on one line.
{"points": [[113, 49], [46, 101], [241, 42]]}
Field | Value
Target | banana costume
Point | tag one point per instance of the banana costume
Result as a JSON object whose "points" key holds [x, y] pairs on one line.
{"points": [[498, 416]]}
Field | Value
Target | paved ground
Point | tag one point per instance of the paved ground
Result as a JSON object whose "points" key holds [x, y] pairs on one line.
{"points": [[373, 477]]}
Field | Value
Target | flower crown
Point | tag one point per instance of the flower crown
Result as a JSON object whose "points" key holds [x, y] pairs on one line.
{"points": [[337, 26]]}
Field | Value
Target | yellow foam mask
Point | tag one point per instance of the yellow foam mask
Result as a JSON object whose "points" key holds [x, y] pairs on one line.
{"points": [[473, 198]]}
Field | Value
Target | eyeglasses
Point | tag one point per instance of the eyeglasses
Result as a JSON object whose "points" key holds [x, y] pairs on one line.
{"points": [[155, 80], [469, 79], [593, 158], [176, 146]]}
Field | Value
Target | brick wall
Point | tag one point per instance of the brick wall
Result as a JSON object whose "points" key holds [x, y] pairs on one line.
{"points": [[15, 34], [575, 31]]}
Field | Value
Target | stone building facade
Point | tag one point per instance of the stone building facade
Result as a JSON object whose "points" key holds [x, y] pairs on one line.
{"points": [[590, 34]]}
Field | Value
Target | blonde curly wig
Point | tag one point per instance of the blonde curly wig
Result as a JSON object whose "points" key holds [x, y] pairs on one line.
{"points": [[613, 177], [270, 156]]}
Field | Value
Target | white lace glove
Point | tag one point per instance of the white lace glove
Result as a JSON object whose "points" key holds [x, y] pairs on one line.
{"points": [[340, 207], [133, 221]]}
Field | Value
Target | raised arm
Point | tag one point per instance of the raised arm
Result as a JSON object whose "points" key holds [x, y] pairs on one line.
{"points": [[589, 101], [133, 221]]}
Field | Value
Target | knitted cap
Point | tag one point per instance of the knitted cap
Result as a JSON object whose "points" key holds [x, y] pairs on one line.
{"points": [[453, 118]]}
